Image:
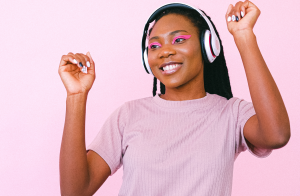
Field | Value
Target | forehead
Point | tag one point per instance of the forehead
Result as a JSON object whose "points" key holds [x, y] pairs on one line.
{"points": [[172, 22]]}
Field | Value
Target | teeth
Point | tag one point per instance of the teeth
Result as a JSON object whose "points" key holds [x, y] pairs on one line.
{"points": [[169, 67]]}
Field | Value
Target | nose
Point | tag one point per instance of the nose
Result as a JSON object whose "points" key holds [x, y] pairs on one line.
{"points": [[166, 51]]}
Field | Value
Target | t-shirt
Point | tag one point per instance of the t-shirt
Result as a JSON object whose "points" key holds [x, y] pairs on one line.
{"points": [[170, 148]]}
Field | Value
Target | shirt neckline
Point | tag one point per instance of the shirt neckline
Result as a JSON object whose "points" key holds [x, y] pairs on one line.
{"points": [[200, 103]]}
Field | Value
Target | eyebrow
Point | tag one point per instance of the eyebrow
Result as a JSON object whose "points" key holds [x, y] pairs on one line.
{"points": [[172, 33]]}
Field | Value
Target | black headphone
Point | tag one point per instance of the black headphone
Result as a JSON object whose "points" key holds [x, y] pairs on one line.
{"points": [[210, 44]]}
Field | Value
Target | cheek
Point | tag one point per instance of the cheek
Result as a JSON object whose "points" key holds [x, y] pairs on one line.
{"points": [[151, 59], [193, 60], [192, 53]]}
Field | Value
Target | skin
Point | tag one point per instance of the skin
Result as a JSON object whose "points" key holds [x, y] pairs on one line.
{"points": [[270, 127], [83, 173], [187, 83]]}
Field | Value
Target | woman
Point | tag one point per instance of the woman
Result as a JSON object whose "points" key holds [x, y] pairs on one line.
{"points": [[183, 141]]}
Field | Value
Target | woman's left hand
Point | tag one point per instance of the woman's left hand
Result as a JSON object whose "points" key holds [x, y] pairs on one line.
{"points": [[241, 17]]}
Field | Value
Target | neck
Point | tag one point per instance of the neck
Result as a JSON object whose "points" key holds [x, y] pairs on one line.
{"points": [[191, 90]]}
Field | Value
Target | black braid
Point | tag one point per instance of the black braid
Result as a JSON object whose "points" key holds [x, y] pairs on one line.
{"points": [[154, 86], [162, 88], [216, 78]]}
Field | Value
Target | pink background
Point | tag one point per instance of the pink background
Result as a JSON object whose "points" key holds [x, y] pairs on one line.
{"points": [[34, 36]]}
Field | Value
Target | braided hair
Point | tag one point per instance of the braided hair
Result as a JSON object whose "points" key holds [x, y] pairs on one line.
{"points": [[216, 78]]}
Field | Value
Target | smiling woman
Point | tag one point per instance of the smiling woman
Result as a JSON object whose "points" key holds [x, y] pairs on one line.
{"points": [[193, 70], [183, 141]]}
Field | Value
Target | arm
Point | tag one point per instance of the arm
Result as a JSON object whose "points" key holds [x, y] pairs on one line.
{"points": [[73, 163], [80, 173], [270, 127]]}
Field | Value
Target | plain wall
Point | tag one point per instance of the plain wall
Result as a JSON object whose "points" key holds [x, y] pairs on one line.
{"points": [[34, 36]]}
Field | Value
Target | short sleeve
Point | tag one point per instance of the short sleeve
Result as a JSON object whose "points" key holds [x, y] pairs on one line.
{"points": [[243, 111], [108, 141]]}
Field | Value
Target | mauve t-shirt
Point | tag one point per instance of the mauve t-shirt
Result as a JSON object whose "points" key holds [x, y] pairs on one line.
{"points": [[176, 148]]}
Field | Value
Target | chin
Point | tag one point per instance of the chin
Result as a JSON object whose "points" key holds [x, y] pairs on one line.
{"points": [[173, 83]]}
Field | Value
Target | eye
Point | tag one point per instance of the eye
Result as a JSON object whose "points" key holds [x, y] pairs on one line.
{"points": [[154, 45], [180, 38]]}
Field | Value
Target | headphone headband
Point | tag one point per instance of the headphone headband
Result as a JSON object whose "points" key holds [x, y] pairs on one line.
{"points": [[214, 41]]}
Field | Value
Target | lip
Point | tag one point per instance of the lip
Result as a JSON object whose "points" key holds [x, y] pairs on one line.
{"points": [[168, 72], [169, 63]]}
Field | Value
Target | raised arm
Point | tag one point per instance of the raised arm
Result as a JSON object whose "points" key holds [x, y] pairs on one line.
{"points": [[270, 127], [81, 173]]}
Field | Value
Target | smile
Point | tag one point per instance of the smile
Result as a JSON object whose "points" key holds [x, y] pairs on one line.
{"points": [[170, 69]]}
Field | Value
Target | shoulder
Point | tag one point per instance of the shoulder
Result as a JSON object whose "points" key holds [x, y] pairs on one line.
{"points": [[240, 109], [222, 102], [239, 105], [234, 105], [137, 103], [233, 102], [128, 107], [140, 101]]}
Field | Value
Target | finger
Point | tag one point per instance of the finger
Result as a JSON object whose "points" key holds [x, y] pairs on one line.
{"points": [[77, 60], [237, 14], [229, 9], [237, 11], [243, 11], [248, 4], [67, 59], [67, 64], [82, 61], [85, 60], [92, 63], [233, 18], [232, 14], [227, 16]]}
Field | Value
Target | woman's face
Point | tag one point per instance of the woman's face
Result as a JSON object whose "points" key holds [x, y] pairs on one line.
{"points": [[174, 41]]}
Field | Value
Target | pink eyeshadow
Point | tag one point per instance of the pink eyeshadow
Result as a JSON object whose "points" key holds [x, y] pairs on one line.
{"points": [[181, 36], [154, 43]]}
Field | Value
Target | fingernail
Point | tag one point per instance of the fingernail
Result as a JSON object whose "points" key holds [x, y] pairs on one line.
{"points": [[85, 69], [229, 18], [237, 18], [75, 61], [88, 64], [233, 17], [80, 64], [242, 14]]}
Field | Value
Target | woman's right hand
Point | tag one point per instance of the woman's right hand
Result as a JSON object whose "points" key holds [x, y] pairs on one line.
{"points": [[75, 80]]}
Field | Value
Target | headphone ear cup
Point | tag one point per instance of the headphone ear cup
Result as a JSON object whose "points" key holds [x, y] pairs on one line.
{"points": [[203, 50], [207, 46], [146, 61]]}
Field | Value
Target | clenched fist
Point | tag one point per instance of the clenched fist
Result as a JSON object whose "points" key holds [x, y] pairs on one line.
{"points": [[241, 17], [77, 72]]}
